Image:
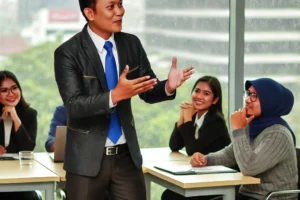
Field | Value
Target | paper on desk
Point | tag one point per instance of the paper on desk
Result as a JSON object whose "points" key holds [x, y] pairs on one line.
{"points": [[10, 155], [212, 169]]}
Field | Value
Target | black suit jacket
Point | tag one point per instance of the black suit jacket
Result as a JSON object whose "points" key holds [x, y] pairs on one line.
{"points": [[82, 85], [213, 135], [24, 138]]}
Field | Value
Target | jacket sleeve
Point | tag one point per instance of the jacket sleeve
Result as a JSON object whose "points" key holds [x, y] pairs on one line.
{"points": [[26, 134], [224, 157], [213, 137], [273, 147], [59, 119], [71, 88], [176, 141]]}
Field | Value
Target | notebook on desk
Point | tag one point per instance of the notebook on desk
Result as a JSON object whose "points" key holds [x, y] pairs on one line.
{"points": [[59, 144], [189, 170]]}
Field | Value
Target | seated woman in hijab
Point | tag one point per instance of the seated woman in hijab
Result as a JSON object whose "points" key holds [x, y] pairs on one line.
{"points": [[18, 125], [263, 144]]}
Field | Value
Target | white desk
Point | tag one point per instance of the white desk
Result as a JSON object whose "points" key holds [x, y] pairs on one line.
{"points": [[197, 185], [14, 177], [190, 185], [56, 168]]}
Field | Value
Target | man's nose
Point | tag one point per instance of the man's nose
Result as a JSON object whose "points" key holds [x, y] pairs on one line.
{"points": [[119, 11]]}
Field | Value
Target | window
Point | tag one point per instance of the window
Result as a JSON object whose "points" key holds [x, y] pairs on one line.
{"points": [[272, 46]]}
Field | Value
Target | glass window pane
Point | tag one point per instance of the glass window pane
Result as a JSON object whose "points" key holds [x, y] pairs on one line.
{"points": [[272, 46], [196, 32]]}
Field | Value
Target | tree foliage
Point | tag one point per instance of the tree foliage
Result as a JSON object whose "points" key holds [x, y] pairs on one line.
{"points": [[35, 72]]}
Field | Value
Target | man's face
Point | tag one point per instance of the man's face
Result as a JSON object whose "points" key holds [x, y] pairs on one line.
{"points": [[105, 17]]}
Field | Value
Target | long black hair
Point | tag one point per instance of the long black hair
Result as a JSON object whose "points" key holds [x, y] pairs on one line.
{"points": [[215, 87], [9, 75]]}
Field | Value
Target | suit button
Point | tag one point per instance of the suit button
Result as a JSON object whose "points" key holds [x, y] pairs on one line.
{"points": [[103, 133]]}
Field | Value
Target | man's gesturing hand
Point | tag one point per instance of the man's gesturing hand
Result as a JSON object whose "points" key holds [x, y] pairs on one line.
{"points": [[177, 76], [128, 88]]}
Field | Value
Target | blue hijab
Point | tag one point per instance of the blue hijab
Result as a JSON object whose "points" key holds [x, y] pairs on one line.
{"points": [[275, 101]]}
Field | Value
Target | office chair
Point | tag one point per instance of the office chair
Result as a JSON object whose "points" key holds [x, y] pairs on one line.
{"points": [[38, 194], [61, 194], [270, 194]]}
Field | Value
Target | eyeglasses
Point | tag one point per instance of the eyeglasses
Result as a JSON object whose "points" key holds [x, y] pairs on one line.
{"points": [[252, 95], [5, 91]]}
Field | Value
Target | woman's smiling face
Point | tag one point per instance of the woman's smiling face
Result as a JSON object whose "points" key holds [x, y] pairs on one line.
{"points": [[9, 92], [203, 97]]}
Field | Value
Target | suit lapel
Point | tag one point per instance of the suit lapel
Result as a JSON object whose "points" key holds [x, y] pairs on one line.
{"points": [[92, 53], [122, 52]]}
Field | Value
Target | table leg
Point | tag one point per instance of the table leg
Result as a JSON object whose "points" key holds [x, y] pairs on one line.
{"points": [[49, 191], [229, 194], [148, 186]]}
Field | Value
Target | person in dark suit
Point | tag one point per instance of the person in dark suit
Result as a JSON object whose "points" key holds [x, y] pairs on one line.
{"points": [[18, 125], [97, 72], [201, 126]]}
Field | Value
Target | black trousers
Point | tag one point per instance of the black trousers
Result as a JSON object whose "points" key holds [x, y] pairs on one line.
{"points": [[118, 177], [31, 195]]}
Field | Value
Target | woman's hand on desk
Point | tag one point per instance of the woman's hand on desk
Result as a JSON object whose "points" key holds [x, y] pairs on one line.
{"points": [[198, 160]]}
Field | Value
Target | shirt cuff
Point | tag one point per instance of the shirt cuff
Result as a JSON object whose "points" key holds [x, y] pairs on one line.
{"points": [[110, 101], [167, 93]]}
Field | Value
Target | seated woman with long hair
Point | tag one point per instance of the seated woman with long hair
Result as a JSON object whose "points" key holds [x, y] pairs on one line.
{"points": [[201, 126], [18, 125]]}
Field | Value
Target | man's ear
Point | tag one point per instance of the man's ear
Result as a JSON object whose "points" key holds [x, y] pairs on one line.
{"points": [[89, 13], [215, 100]]}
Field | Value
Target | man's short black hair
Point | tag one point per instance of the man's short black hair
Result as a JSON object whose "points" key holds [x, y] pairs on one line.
{"points": [[85, 4]]}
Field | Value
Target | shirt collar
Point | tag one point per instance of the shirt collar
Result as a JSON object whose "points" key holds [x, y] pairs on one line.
{"points": [[199, 121], [99, 41]]}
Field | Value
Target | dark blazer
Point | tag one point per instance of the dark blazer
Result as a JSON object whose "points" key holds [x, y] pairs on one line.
{"points": [[213, 135], [82, 85], [24, 138]]}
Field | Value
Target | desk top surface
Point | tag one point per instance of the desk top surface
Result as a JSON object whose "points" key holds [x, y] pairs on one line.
{"points": [[203, 180], [152, 156], [12, 172], [57, 168], [162, 154], [149, 155]]}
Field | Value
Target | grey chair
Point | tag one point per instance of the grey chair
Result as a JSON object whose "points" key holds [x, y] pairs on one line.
{"points": [[61, 194], [270, 194], [39, 194]]}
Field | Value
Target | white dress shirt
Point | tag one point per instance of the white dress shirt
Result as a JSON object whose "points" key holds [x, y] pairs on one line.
{"points": [[198, 123], [8, 123], [99, 43]]}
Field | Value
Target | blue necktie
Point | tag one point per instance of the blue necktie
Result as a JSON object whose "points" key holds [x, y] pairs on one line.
{"points": [[114, 131]]}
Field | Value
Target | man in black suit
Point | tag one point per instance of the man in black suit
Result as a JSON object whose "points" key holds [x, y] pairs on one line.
{"points": [[102, 151]]}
